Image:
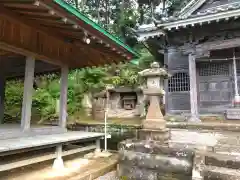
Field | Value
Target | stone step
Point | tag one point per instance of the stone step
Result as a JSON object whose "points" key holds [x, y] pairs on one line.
{"points": [[136, 173], [154, 147], [159, 162], [227, 149], [222, 160], [220, 173]]}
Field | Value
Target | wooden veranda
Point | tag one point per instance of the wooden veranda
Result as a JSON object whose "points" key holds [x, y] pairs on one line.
{"points": [[46, 36]]}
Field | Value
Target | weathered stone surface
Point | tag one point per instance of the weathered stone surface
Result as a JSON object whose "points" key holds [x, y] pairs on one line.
{"points": [[233, 113], [154, 147], [217, 173], [136, 173], [161, 135], [154, 118], [222, 160], [158, 162]]}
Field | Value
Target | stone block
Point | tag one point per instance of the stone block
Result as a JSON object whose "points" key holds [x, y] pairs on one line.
{"points": [[154, 147], [158, 162], [233, 113], [155, 135], [219, 173], [127, 172], [222, 160]]}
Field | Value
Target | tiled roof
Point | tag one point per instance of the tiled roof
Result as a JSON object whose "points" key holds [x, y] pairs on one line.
{"points": [[226, 11]]}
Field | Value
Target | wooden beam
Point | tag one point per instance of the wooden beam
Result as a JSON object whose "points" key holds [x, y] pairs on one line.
{"points": [[81, 23], [23, 161], [21, 6], [27, 96], [25, 52], [218, 45], [35, 41]]}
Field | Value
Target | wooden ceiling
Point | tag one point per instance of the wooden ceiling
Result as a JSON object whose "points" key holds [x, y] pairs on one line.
{"points": [[54, 21]]}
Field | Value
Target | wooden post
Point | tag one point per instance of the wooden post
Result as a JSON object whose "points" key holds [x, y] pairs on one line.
{"points": [[27, 96], [58, 162], [2, 94], [63, 98], [193, 88], [2, 90]]}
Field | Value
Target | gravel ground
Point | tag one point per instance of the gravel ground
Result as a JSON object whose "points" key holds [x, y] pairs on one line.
{"points": [[109, 176]]}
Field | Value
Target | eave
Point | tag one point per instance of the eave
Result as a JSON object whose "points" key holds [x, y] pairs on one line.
{"points": [[163, 28], [98, 29], [190, 8], [64, 24], [201, 19]]}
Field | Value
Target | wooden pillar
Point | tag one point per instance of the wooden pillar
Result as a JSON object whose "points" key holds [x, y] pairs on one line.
{"points": [[63, 98], [236, 96], [58, 162], [193, 88], [27, 96], [2, 91]]}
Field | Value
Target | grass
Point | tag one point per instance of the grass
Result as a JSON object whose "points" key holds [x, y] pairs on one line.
{"points": [[85, 120]]}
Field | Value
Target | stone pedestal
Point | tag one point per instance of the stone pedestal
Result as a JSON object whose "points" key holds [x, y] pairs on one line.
{"points": [[154, 135]]}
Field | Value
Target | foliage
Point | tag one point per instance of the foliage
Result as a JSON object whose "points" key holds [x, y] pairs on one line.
{"points": [[118, 17], [13, 100]]}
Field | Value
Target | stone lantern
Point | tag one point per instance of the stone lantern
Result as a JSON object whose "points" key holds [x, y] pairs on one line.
{"points": [[154, 126]]}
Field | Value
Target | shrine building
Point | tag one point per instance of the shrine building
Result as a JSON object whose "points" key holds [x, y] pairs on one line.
{"points": [[200, 47], [45, 36]]}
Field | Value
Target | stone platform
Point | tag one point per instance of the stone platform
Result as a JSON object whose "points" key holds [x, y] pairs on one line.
{"points": [[147, 160], [188, 155]]}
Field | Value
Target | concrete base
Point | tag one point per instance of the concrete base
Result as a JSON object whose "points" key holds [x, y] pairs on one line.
{"points": [[58, 164], [155, 135]]}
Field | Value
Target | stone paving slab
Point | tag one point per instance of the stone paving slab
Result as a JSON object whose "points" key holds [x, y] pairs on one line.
{"points": [[44, 140]]}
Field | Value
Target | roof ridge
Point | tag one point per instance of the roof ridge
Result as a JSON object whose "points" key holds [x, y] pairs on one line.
{"points": [[191, 7]]}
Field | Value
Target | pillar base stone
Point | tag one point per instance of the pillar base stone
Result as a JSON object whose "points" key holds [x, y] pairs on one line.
{"points": [[194, 119], [236, 101], [58, 164]]}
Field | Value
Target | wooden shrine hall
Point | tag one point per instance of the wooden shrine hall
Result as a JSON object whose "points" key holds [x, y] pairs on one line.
{"points": [[200, 46], [45, 36]]}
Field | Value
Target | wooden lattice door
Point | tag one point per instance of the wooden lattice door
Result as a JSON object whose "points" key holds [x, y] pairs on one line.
{"points": [[215, 85]]}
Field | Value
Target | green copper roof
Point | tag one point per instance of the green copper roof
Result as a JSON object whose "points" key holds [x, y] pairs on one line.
{"points": [[81, 16]]}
